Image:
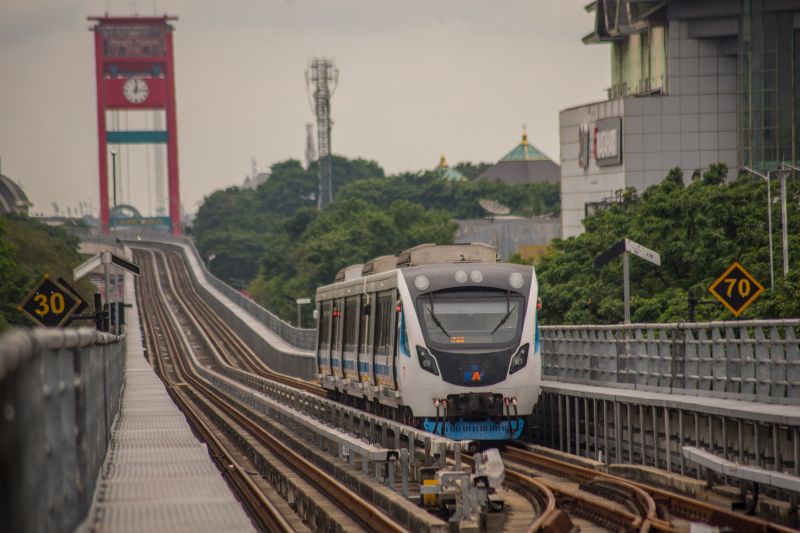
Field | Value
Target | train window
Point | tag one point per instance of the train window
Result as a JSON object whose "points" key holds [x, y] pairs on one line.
{"points": [[363, 331], [383, 323], [325, 326], [469, 317], [351, 324], [336, 335]]}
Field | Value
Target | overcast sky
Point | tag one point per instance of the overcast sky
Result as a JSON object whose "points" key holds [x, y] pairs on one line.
{"points": [[418, 78]]}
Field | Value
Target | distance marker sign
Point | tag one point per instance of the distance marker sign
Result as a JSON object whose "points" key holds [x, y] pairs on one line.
{"points": [[49, 304], [736, 288]]}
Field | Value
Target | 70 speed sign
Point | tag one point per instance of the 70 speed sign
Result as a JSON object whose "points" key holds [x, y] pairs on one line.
{"points": [[736, 288]]}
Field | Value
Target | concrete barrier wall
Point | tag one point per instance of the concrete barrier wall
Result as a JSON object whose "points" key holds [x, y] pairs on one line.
{"points": [[284, 357], [301, 338], [59, 394], [755, 360]]}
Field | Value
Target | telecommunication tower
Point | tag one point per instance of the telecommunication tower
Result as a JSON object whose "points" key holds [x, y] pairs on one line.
{"points": [[311, 150], [324, 77]]}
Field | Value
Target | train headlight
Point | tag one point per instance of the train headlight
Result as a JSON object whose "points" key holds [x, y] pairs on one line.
{"points": [[520, 359], [422, 283], [476, 276], [461, 276], [516, 280], [427, 361]]}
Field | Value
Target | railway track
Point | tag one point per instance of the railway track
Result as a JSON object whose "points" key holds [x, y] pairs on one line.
{"points": [[219, 419], [226, 342], [651, 508]]}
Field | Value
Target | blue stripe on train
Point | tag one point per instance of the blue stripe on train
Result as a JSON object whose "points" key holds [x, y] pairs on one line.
{"points": [[476, 429], [382, 369]]}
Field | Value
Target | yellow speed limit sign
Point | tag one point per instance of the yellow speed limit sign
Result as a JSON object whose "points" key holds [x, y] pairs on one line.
{"points": [[49, 304], [736, 288]]}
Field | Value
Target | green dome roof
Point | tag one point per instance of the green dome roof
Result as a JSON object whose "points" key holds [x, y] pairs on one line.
{"points": [[525, 152], [450, 174]]}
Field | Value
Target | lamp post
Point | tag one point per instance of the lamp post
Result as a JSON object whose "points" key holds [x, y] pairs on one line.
{"points": [[300, 302], [769, 223], [785, 168], [114, 173]]}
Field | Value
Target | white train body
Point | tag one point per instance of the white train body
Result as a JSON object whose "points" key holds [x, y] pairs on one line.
{"points": [[450, 346]]}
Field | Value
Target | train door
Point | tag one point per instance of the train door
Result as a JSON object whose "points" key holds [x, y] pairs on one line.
{"points": [[365, 367], [385, 326], [324, 338], [336, 339], [350, 328]]}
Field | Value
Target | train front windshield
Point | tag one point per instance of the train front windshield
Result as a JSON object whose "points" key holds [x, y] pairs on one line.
{"points": [[471, 318]]}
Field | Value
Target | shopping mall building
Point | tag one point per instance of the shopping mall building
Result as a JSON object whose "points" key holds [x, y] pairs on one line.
{"points": [[693, 82]]}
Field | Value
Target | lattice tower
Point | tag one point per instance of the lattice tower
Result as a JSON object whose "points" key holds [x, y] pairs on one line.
{"points": [[323, 76], [311, 150]]}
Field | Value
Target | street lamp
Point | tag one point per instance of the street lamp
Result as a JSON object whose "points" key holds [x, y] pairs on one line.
{"points": [[114, 173], [769, 220], [208, 262], [300, 302], [785, 167]]}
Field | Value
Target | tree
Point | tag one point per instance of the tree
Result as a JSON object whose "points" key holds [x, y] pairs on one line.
{"points": [[698, 229], [28, 249]]}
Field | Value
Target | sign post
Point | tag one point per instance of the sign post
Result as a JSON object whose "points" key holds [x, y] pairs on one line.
{"points": [[301, 301], [736, 288], [107, 259], [624, 247]]}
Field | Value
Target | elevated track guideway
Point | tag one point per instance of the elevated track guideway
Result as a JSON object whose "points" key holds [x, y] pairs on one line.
{"points": [[186, 341]]}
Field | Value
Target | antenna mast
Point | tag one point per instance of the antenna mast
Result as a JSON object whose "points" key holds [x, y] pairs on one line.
{"points": [[324, 77], [311, 150]]}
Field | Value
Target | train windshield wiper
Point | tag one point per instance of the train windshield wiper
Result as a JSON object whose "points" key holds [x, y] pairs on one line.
{"points": [[508, 313], [434, 317]]}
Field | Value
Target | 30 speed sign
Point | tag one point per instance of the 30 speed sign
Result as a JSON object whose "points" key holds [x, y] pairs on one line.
{"points": [[736, 288], [49, 303]]}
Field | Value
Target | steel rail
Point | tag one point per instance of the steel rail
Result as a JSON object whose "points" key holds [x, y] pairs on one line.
{"points": [[683, 506]]}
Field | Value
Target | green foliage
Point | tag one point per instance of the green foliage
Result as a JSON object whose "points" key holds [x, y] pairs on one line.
{"points": [[472, 171], [698, 229], [275, 242], [346, 233], [28, 249], [460, 198]]}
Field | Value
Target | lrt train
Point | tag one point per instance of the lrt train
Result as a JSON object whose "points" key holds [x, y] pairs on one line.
{"points": [[444, 338]]}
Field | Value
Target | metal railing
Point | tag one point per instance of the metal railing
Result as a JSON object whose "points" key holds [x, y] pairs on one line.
{"points": [[757, 360], [59, 394]]}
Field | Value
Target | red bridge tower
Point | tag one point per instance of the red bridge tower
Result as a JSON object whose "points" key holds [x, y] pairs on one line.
{"points": [[135, 69]]}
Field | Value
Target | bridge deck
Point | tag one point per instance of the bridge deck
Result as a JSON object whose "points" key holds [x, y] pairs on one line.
{"points": [[157, 476]]}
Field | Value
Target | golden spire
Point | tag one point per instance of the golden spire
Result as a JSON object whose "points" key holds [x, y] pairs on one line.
{"points": [[442, 162], [524, 135]]}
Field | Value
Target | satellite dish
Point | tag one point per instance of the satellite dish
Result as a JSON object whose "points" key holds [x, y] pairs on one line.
{"points": [[494, 208]]}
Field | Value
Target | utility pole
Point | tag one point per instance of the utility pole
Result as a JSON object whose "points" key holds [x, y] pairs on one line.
{"points": [[785, 168], [324, 78], [769, 222]]}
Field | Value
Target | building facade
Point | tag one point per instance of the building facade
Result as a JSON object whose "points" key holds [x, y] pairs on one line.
{"points": [[694, 82]]}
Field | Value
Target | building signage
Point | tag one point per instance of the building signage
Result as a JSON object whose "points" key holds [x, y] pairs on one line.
{"points": [[607, 142], [584, 146]]}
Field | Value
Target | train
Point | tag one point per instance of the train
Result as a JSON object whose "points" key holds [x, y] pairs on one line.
{"points": [[441, 337]]}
